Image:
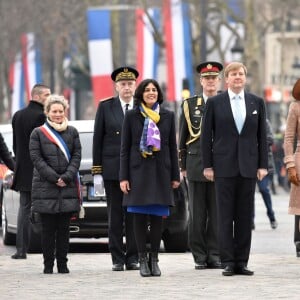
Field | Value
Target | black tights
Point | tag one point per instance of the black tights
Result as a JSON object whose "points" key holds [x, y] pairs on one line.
{"points": [[140, 223]]}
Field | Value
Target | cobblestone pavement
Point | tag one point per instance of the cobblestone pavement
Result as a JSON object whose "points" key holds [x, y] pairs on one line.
{"points": [[277, 272]]}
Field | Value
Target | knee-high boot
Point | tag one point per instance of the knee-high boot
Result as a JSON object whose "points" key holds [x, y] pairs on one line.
{"points": [[155, 271], [144, 268]]}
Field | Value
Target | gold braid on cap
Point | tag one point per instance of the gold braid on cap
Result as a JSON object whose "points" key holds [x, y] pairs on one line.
{"points": [[126, 75], [194, 135]]}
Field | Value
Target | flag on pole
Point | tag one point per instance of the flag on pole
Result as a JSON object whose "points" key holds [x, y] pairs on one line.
{"points": [[178, 48], [31, 62], [100, 52], [147, 48], [16, 83]]}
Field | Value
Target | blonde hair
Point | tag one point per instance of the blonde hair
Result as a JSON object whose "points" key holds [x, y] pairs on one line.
{"points": [[234, 66], [55, 99]]}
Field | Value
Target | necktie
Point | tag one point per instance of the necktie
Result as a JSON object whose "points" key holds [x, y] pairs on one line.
{"points": [[237, 112], [126, 106]]}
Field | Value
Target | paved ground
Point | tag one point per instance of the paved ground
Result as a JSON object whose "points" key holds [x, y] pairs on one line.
{"points": [[277, 271]]}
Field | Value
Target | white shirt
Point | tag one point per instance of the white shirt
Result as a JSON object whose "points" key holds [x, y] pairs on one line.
{"points": [[238, 107], [241, 95], [123, 104]]}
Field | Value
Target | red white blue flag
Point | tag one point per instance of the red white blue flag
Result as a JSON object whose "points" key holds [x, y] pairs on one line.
{"points": [[178, 48], [147, 48], [31, 62], [100, 52], [16, 83]]}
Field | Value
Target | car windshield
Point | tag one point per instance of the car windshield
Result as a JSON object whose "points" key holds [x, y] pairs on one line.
{"points": [[86, 140]]}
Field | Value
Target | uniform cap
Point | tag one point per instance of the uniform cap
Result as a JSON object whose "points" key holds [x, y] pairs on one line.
{"points": [[124, 73], [209, 68], [296, 90]]}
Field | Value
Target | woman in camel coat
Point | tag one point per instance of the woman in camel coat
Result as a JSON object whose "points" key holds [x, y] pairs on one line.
{"points": [[291, 147]]}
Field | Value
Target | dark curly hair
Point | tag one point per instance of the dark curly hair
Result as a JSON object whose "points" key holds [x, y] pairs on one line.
{"points": [[138, 95]]}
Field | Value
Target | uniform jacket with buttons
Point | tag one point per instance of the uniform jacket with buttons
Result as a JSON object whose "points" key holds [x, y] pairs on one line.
{"points": [[190, 154], [107, 138]]}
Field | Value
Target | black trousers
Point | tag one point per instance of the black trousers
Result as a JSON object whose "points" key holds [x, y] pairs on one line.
{"points": [[23, 230], [203, 232], [55, 238], [235, 197], [117, 218]]}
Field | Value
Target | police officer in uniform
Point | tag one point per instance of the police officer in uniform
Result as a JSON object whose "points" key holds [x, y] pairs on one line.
{"points": [[106, 161], [202, 204]]}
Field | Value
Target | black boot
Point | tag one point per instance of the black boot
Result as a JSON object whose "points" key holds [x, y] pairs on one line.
{"points": [[144, 268], [155, 271], [62, 268]]}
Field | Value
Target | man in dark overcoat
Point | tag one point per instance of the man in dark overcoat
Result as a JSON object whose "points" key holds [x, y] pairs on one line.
{"points": [[106, 162], [203, 240], [23, 122], [235, 155]]}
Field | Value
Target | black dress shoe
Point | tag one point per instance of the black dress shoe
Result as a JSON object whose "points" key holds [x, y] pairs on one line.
{"points": [[132, 266], [228, 271], [118, 267], [48, 270], [18, 256], [200, 265], [243, 271], [215, 265]]}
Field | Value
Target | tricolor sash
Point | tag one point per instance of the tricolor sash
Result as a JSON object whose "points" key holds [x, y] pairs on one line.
{"points": [[56, 139]]}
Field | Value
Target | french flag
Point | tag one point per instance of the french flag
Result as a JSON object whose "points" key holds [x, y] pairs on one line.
{"points": [[100, 53], [178, 48], [16, 83], [31, 61], [147, 48]]}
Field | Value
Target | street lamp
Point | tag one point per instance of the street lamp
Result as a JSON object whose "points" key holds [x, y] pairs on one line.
{"points": [[237, 50]]}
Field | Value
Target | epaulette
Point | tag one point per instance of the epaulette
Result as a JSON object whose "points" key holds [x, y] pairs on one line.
{"points": [[194, 98], [105, 99], [191, 98], [187, 100]]}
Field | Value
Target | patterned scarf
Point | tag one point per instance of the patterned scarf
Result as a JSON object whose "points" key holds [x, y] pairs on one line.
{"points": [[150, 139]]}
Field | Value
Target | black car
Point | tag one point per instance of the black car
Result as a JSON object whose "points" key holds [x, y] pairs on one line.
{"points": [[95, 222]]}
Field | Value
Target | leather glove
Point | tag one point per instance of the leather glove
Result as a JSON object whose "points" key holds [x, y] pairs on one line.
{"points": [[292, 176]]}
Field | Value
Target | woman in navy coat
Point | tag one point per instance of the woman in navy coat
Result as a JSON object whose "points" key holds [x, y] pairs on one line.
{"points": [[148, 168]]}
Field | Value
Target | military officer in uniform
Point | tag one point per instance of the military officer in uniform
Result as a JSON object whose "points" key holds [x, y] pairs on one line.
{"points": [[202, 204], [106, 161]]}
